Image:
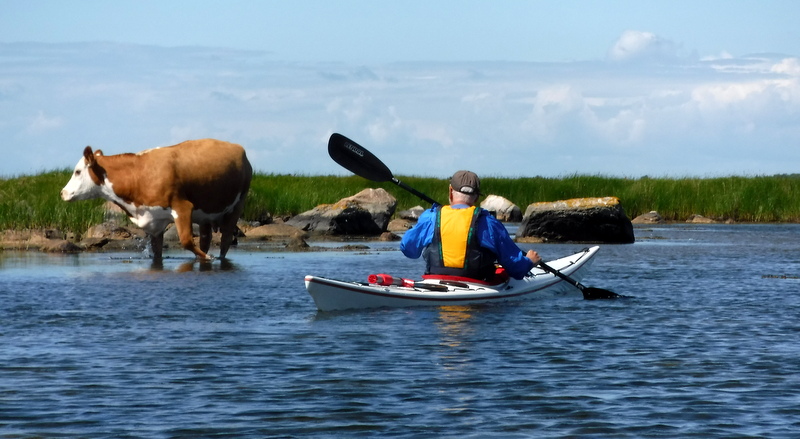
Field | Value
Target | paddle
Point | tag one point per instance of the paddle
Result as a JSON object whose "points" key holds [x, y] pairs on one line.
{"points": [[589, 293], [356, 159]]}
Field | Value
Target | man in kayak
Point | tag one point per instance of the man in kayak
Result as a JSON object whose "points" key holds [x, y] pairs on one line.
{"points": [[465, 240]]}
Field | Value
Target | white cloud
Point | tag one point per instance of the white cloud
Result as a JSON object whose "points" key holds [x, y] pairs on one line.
{"points": [[635, 45], [722, 55], [715, 96], [553, 109], [423, 118], [789, 66]]}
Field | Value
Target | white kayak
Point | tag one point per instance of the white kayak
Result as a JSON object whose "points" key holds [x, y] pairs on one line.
{"points": [[332, 294]]}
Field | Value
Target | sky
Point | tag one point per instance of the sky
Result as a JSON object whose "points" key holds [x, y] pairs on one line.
{"points": [[508, 89]]}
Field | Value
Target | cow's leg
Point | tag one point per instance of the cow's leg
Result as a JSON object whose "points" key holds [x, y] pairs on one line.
{"points": [[228, 228], [205, 237], [157, 245], [225, 240], [227, 237], [183, 223]]}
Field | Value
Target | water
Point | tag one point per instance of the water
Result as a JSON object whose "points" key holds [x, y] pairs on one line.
{"points": [[101, 345]]}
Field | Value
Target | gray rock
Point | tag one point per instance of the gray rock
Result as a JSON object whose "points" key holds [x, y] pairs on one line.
{"points": [[171, 233], [60, 246], [367, 213], [651, 217], [411, 214], [595, 220], [400, 225], [111, 229], [503, 209], [700, 219], [276, 231]]}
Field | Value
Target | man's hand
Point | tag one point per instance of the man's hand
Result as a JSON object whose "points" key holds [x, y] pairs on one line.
{"points": [[534, 257]]}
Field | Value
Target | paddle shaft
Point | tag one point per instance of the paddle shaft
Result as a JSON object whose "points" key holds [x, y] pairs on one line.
{"points": [[552, 270], [413, 191], [589, 293]]}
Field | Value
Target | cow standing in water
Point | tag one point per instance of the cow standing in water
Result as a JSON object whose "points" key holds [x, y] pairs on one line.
{"points": [[197, 181]]}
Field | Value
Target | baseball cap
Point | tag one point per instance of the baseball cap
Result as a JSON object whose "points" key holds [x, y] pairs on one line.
{"points": [[466, 182]]}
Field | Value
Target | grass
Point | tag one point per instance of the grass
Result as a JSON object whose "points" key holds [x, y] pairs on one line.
{"points": [[33, 201]]}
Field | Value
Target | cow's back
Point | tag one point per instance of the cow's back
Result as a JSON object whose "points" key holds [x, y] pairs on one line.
{"points": [[210, 173]]}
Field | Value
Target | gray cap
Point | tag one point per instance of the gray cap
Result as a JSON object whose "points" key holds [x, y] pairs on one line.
{"points": [[466, 182]]}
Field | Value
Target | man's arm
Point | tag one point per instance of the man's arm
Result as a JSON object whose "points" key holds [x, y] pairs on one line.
{"points": [[514, 260], [418, 237]]}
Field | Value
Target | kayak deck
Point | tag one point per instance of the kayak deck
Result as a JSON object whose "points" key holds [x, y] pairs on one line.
{"points": [[332, 294]]}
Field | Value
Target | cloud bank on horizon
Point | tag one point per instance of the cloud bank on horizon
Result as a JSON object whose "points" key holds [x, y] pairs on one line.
{"points": [[648, 107]]}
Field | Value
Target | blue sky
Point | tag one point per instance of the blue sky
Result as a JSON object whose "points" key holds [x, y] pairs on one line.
{"points": [[513, 88]]}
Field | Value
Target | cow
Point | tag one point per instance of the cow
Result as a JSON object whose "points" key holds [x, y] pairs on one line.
{"points": [[198, 181]]}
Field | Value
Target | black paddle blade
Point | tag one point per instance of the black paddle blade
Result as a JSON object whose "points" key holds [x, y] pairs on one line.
{"points": [[590, 293], [356, 159]]}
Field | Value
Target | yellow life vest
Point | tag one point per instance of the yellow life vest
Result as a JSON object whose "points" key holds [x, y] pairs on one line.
{"points": [[455, 248], [455, 229]]}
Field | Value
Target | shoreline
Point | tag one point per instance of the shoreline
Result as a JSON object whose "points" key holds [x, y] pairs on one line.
{"points": [[53, 241]]}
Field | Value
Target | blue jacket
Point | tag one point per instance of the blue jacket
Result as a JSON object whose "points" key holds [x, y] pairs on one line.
{"points": [[492, 233]]}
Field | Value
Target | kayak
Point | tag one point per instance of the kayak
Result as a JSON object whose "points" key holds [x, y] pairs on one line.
{"points": [[385, 291]]}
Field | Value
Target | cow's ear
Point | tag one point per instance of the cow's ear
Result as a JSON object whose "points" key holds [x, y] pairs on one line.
{"points": [[87, 154]]}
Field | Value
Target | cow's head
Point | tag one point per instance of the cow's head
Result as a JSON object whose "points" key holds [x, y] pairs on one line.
{"points": [[87, 178]]}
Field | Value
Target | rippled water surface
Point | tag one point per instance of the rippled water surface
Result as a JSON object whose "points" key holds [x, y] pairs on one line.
{"points": [[101, 345]]}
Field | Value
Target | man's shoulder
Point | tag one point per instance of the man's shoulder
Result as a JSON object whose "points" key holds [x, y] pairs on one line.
{"points": [[428, 213], [483, 213], [490, 220]]}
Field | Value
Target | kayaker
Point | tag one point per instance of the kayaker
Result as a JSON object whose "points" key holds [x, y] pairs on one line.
{"points": [[465, 240]]}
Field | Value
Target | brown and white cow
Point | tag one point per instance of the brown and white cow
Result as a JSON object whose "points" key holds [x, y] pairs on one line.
{"points": [[197, 181]]}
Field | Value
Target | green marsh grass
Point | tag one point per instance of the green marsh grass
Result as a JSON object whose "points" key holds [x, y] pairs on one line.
{"points": [[34, 201]]}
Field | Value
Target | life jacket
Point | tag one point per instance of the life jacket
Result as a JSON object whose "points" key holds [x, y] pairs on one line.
{"points": [[455, 249]]}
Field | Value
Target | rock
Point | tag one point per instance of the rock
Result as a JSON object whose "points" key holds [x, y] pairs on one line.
{"points": [[94, 243], [411, 214], [578, 220], [388, 236], [651, 217], [503, 209], [529, 239], [110, 229], [379, 203], [46, 240], [700, 219], [297, 244], [171, 233], [276, 231], [366, 213], [54, 234], [17, 235], [399, 225], [60, 246], [113, 213]]}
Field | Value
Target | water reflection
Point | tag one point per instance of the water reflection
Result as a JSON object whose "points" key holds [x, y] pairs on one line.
{"points": [[453, 321], [455, 329], [62, 263], [202, 266]]}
